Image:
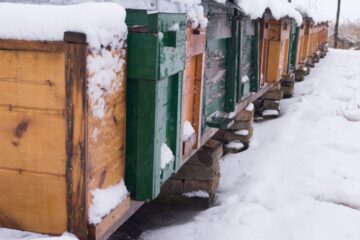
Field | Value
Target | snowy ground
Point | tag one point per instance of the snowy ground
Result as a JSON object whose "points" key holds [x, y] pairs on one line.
{"points": [[300, 180]]}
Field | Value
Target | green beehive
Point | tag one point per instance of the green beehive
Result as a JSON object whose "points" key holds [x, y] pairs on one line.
{"points": [[156, 58], [249, 45], [231, 71], [220, 67], [293, 47]]}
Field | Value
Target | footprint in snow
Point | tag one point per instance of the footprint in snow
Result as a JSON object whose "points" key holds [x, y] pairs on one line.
{"points": [[344, 148]]}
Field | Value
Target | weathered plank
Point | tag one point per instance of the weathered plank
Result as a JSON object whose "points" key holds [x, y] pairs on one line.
{"points": [[76, 145], [32, 79], [37, 202], [110, 223], [32, 141]]}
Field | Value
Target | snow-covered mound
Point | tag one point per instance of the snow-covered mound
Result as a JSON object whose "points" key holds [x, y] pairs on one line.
{"points": [[300, 178], [304, 8], [103, 23], [278, 8]]}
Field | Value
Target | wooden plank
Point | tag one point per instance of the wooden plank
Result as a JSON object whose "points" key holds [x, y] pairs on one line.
{"points": [[273, 64], [189, 89], [76, 145], [32, 79], [110, 223], [32, 141], [114, 220], [37, 202], [39, 46], [195, 42], [106, 143], [105, 177], [199, 86], [107, 135]]}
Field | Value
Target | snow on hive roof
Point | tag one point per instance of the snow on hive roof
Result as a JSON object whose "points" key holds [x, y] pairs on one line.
{"points": [[278, 8], [304, 9], [103, 23], [193, 8]]}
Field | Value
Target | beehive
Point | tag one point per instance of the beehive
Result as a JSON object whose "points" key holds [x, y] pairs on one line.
{"points": [[278, 53], [54, 150]]}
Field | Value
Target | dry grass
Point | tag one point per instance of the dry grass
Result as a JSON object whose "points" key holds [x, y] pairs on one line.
{"points": [[349, 35]]}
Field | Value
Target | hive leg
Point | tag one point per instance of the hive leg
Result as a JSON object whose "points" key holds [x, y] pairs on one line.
{"points": [[237, 138], [268, 106], [196, 182], [288, 85]]}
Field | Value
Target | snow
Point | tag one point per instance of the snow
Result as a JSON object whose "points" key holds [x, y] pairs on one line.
{"points": [[304, 7], [242, 132], [174, 28], [188, 131], [197, 194], [193, 9], [279, 9], [10, 234], [105, 200], [167, 156], [245, 79], [250, 107], [103, 68], [270, 112], [300, 177], [235, 145], [103, 23]]}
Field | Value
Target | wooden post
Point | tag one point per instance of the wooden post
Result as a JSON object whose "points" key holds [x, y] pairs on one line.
{"points": [[337, 25]]}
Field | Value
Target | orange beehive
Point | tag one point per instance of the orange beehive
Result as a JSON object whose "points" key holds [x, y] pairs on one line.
{"points": [[278, 53], [54, 151]]}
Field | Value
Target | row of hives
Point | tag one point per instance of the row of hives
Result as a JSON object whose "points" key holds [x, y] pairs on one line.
{"points": [[54, 153]]}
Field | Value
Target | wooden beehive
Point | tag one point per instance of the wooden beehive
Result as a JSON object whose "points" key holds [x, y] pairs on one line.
{"points": [[278, 53], [49, 158], [301, 45], [193, 87], [306, 44], [311, 34]]}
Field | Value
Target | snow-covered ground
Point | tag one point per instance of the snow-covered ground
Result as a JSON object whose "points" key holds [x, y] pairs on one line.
{"points": [[300, 180]]}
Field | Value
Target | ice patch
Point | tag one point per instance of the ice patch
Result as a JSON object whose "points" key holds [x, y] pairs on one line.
{"points": [[167, 156], [105, 200]]}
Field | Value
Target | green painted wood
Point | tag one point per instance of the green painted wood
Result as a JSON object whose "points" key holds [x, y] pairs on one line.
{"points": [[294, 41], [156, 63], [246, 55], [139, 20], [217, 61], [232, 67], [255, 77]]}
